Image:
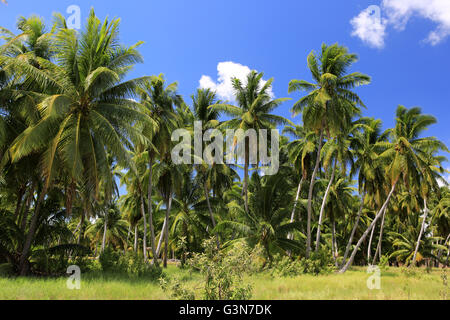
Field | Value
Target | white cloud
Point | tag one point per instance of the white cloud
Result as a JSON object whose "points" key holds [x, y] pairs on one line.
{"points": [[397, 13], [446, 177], [225, 72], [369, 27]]}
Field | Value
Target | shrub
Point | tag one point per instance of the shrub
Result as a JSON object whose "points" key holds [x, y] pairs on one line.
{"points": [[6, 270], [222, 270], [109, 260], [319, 263], [285, 267]]}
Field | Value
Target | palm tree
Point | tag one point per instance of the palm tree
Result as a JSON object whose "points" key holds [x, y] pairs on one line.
{"points": [[330, 104], [338, 151], [158, 101], [432, 170], [401, 157], [300, 151], [85, 112], [253, 112], [265, 223]]}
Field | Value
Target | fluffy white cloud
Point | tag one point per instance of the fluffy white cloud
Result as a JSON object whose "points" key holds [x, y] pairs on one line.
{"points": [[225, 72], [447, 178], [371, 28]]}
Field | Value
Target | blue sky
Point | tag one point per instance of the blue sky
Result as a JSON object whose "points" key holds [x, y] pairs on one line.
{"points": [[406, 51]]}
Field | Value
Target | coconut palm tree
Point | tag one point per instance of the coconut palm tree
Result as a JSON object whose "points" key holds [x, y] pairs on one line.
{"points": [[265, 223], [159, 101], [85, 112], [330, 104], [255, 105], [402, 157]]}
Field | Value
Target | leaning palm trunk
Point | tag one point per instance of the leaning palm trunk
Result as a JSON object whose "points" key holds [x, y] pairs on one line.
{"points": [[144, 241], [150, 213], [246, 166], [378, 253], [23, 224], [364, 236], [213, 221], [324, 202], [369, 246], [355, 228], [30, 236], [105, 229], [161, 237], [310, 195], [299, 190], [422, 231], [334, 244], [136, 238], [166, 241]]}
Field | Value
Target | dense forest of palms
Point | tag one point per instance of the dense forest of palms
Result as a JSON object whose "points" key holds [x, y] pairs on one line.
{"points": [[74, 129]]}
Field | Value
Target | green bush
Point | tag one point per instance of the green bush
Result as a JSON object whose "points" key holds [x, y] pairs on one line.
{"points": [[285, 267], [6, 270], [222, 271], [109, 260], [131, 264]]}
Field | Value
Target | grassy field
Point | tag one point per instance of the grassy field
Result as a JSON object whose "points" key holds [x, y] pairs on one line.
{"points": [[395, 285]]}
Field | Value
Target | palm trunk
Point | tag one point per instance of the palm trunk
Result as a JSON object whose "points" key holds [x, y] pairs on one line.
{"points": [[31, 233], [161, 237], [334, 243], [369, 246], [213, 221], [23, 224], [422, 231], [20, 195], [246, 166], [144, 240], [310, 195], [166, 242], [136, 238], [105, 229], [355, 228], [80, 236], [322, 209], [299, 190], [150, 212], [364, 236], [378, 253]]}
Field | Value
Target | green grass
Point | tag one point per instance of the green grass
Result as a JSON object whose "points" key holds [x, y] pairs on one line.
{"points": [[395, 285]]}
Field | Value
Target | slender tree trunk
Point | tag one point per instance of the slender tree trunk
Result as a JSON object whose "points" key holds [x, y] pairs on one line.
{"points": [[364, 236], [322, 209], [166, 244], [136, 238], [161, 237], [144, 240], [422, 231], [150, 212], [211, 215], [105, 229], [334, 243], [299, 190], [20, 195], [246, 178], [69, 198], [355, 228], [310, 195], [23, 224], [31, 232], [378, 253], [80, 236], [369, 246]]}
